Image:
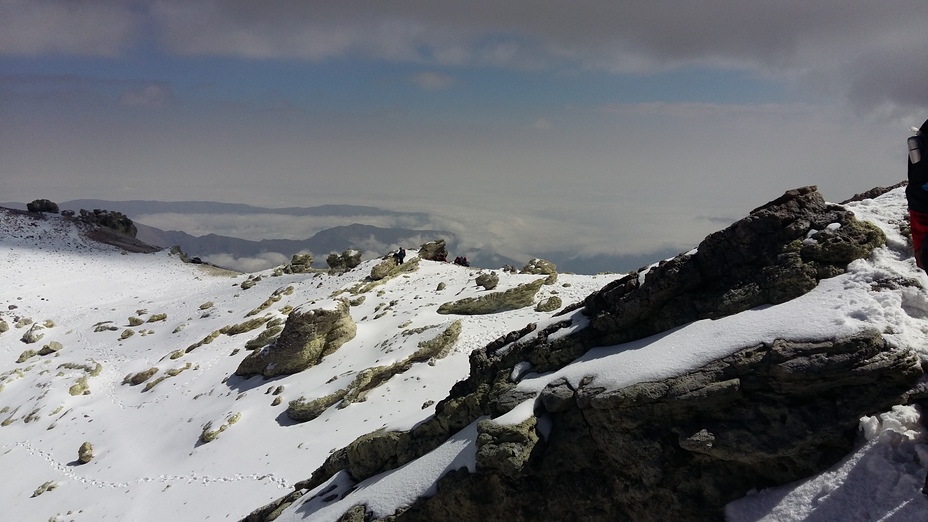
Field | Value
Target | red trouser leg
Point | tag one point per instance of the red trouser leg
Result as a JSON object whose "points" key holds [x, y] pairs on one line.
{"points": [[918, 222]]}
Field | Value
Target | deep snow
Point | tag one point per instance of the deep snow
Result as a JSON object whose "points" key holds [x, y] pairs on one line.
{"points": [[150, 462]]}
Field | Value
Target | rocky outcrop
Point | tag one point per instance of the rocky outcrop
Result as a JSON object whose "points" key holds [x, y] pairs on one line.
{"points": [[512, 299], [114, 221], [301, 263], [682, 448], [345, 261], [307, 337], [777, 253], [42, 205], [434, 250], [677, 449], [539, 267]]}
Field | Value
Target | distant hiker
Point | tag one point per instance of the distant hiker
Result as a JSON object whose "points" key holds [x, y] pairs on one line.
{"points": [[441, 256], [400, 256], [916, 193], [461, 261]]}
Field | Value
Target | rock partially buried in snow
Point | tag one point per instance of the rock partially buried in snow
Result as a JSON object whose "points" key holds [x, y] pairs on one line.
{"points": [[33, 334], [307, 337], [85, 453], [539, 267]]}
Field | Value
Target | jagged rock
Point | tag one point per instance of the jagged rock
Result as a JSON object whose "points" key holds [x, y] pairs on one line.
{"points": [[681, 449], [777, 253], [539, 267], [85, 453], [33, 334], [345, 261], [301, 263], [42, 205], [434, 250], [512, 299], [488, 281], [307, 337]]}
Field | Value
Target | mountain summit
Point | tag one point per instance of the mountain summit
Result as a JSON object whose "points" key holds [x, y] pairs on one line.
{"points": [[773, 371]]}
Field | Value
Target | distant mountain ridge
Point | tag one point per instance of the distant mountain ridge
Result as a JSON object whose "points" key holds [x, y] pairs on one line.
{"points": [[140, 207], [336, 238]]}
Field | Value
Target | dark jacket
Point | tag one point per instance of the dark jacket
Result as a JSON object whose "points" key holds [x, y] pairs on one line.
{"points": [[916, 193]]}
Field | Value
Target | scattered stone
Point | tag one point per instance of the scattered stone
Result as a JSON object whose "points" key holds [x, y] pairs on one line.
{"points": [[488, 281], [85, 453], [51, 348], [33, 334]]}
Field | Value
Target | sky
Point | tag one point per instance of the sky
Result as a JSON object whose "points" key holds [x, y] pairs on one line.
{"points": [[593, 125]]}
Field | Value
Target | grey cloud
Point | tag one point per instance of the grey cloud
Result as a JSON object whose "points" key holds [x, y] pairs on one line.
{"points": [[866, 50], [31, 27], [432, 81]]}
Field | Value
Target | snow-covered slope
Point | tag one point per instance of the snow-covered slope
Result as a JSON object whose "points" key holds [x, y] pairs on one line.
{"points": [[150, 459], [150, 462]]}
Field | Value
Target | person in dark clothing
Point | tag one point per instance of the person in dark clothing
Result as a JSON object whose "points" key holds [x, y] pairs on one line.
{"points": [[916, 193], [400, 256]]}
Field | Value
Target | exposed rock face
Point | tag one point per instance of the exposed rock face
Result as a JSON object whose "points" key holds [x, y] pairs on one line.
{"points": [[434, 250], [307, 337], [345, 261], [42, 205], [539, 267], [777, 253], [681, 449]]}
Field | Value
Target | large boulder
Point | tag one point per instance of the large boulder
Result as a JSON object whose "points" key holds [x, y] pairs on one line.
{"points": [[345, 261], [307, 337], [42, 205], [434, 250], [495, 302], [539, 267], [301, 263]]}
